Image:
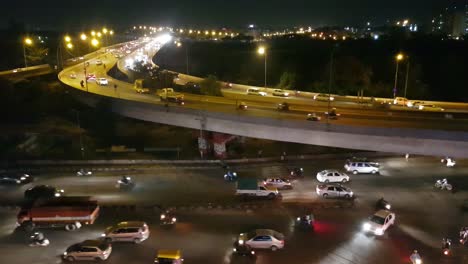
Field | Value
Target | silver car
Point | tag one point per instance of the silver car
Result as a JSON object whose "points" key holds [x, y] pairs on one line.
{"points": [[362, 167], [96, 250], [130, 231], [333, 191], [278, 183]]}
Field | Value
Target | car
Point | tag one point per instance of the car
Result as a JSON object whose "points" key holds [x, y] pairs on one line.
{"points": [[169, 256], [313, 117], [42, 191], [278, 183], [283, 107], [72, 75], [332, 176], [129, 231], [362, 167], [97, 250], [430, 107], [102, 81], [333, 191], [262, 239], [279, 92], [90, 77], [323, 97], [296, 172], [98, 62], [15, 178], [402, 101], [84, 172], [379, 222], [255, 91]]}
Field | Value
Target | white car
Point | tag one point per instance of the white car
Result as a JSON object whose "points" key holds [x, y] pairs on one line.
{"points": [[323, 97], [333, 191], [379, 222], [430, 107], [279, 92], [255, 91], [402, 101], [72, 75], [102, 81], [98, 62], [130, 231], [262, 238], [95, 250], [278, 183], [332, 176], [362, 167], [83, 172]]}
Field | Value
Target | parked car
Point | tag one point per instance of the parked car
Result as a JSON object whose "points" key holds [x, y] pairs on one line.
{"points": [[262, 239], [362, 167], [96, 250], [332, 176], [15, 178], [255, 91], [129, 231], [379, 222], [279, 92], [42, 191], [333, 191], [278, 183]]}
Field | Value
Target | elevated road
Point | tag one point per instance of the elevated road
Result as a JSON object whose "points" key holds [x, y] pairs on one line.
{"points": [[359, 126]]}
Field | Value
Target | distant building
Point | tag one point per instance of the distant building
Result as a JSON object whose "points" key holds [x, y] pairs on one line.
{"points": [[452, 20]]}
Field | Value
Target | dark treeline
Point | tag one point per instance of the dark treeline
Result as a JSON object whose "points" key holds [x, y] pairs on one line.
{"points": [[438, 68]]}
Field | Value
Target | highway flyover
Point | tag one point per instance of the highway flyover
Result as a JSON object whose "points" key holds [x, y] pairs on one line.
{"points": [[360, 126]]}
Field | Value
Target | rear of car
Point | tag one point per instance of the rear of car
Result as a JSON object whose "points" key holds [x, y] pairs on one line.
{"points": [[256, 91], [279, 92]]}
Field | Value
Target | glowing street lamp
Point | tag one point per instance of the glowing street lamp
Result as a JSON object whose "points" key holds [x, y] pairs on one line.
{"points": [[104, 30], [95, 42], [99, 34], [83, 37], [67, 38], [93, 33], [398, 58], [69, 46], [262, 51], [111, 32], [26, 42]]}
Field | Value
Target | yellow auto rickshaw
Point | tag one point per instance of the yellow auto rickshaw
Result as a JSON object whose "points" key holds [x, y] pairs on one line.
{"points": [[169, 256]]}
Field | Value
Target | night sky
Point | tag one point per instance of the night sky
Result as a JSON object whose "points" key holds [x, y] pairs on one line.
{"points": [[68, 14]]}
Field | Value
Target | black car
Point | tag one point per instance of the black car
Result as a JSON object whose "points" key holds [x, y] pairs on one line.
{"points": [[42, 191], [15, 178]]}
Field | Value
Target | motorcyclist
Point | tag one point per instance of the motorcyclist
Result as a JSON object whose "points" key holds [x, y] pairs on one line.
{"points": [[38, 237], [446, 244], [333, 112], [463, 234], [125, 180], [382, 204], [415, 257]]}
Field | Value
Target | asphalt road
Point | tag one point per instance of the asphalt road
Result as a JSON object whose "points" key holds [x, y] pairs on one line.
{"points": [[424, 215], [351, 113]]}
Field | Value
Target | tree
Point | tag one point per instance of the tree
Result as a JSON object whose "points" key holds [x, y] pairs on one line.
{"points": [[211, 86], [350, 75], [287, 80]]}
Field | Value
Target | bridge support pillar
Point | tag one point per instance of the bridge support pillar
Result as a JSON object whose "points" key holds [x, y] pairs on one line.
{"points": [[219, 144]]}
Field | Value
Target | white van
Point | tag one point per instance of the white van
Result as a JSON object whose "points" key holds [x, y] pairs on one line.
{"points": [[255, 91]]}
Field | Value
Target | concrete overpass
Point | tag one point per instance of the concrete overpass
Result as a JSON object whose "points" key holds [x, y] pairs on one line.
{"points": [[401, 132]]}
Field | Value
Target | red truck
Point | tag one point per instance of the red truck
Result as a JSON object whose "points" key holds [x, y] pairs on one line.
{"points": [[68, 212]]}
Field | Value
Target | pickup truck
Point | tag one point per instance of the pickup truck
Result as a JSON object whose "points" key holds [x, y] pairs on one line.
{"points": [[250, 187], [168, 94]]}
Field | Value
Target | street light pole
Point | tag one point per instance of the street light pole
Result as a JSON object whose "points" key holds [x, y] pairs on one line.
{"points": [[407, 74], [330, 80], [186, 60], [266, 69], [399, 57], [81, 137]]}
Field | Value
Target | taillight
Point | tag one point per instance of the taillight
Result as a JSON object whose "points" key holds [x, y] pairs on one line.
{"points": [[282, 242]]}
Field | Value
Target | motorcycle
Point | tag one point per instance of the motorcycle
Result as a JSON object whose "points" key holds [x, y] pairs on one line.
{"points": [[305, 222], [446, 246], [443, 184], [415, 258], [167, 218], [230, 176], [243, 250], [125, 183], [38, 240], [382, 204], [242, 106], [83, 172], [332, 114], [463, 237]]}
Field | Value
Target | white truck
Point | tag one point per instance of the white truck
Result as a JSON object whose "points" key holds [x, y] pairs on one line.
{"points": [[250, 187], [168, 95]]}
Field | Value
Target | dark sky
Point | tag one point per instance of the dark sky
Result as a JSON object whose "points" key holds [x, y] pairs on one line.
{"points": [[75, 14]]}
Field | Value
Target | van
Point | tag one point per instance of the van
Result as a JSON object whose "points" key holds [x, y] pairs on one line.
{"points": [[255, 91], [130, 231], [362, 167]]}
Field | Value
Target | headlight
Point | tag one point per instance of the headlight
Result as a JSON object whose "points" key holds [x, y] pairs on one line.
{"points": [[103, 235], [234, 249], [418, 261], [387, 206], [174, 219], [57, 194], [379, 231], [234, 173], [298, 219], [366, 227], [351, 193], [18, 181], [64, 253], [252, 252], [241, 242], [23, 178], [163, 216]]}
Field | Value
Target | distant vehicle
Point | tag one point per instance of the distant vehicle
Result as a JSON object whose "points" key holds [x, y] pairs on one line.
{"points": [[72, 75], [68, 212], [138, 86], [83, 172], [402, 101], [168, 218], [15, 178], [90, 77], [98, 62], [242, 106], [230, 176], [42, 191], [449, 162], [362, 167], [332, 176], [323, 97], [262, 239], [16, 70], [168, 95], [283, 107], [242, 251], [280, 184], [192, 85], [97, 250], [250, 187], [333, 191], [313, 117], [102, 82], [379, 222], [166, 256], [228, 85], [333, 114], [255, 91], [296, 172], [129, 231], [279, 92], [430, 107]]}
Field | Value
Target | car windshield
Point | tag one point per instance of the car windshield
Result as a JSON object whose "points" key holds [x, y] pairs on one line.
{"points": [[377, 219], [103, 246]]}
